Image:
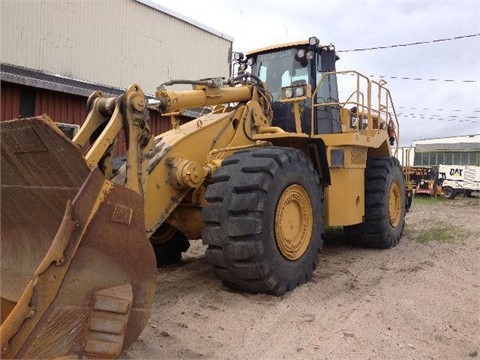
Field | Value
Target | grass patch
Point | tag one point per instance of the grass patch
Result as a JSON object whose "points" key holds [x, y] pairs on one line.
{"points": [[431, 200], [436, 231], [428, 200], [334, 234]]}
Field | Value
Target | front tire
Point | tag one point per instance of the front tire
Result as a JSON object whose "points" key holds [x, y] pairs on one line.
{"points": [[385, 206], [264, 220], [448, 192], [168, 244]]}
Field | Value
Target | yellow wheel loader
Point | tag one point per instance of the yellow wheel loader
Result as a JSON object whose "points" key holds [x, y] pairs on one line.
{"points": [[276, 159]]}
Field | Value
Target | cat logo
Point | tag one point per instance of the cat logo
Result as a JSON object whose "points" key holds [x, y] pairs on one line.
{"points": [[456, 172]]}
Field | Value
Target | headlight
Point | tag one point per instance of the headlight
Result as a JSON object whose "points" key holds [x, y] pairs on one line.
{"points": [[288, 93], [299, 91], [295, 92], [238, 56], [313, 41], [301, 53], [310, 55]]}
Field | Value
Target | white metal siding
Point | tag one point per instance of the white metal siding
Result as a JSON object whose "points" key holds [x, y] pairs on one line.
{"points": [[405, 155], [115, 42], [475, 139]]}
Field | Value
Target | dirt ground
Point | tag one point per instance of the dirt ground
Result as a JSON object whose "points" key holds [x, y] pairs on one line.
{"points": [[419, 300]]}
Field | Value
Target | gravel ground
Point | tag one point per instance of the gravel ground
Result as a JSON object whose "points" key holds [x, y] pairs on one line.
{"points": [[419, 300]]}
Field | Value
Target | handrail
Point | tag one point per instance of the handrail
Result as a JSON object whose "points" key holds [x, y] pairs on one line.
{"points": [[382, 110]]}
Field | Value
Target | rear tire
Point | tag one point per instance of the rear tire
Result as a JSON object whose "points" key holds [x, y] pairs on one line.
{"points": [[264, 220], [385, 206]]}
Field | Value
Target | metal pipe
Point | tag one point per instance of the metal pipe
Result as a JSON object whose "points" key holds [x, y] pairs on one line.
{"points": [[171, 101]]}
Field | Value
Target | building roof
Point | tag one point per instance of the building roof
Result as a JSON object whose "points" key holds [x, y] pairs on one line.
{"points": [[450, 139], [44, 80], [451, 143], [165, 10]]}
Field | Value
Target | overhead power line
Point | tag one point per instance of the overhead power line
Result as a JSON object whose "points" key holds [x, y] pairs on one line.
{"points": [[432, 118], [467, 116], [411, 44], [422, 79], [438, 116], [415, 78], [428, 109]]}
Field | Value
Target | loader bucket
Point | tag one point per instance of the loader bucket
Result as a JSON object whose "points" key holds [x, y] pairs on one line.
{"points": [[77, 269]]}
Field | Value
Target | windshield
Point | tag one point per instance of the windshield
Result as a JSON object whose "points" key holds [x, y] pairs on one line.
{"points": [[281, 68]]}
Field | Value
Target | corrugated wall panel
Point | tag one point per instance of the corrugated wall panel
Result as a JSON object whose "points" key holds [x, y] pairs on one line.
{"points": [[61, 107], [159, 124], [10, 104], [116, 43], [65, 108]]}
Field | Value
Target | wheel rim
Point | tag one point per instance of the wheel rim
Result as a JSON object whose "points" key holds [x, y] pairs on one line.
{"points": [[395, 204], [447, 192], [164, 233], [293, 222]]}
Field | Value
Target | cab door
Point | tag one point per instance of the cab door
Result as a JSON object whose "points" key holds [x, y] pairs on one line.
{"points": [[327, 117]]}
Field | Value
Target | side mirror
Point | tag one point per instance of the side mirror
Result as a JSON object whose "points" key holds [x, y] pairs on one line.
{"points": [[327, 60]]}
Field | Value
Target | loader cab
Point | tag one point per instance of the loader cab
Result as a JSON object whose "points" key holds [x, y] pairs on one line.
{"points": [[292, 73]]}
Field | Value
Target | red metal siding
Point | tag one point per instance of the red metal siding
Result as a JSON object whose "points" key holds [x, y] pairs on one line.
{"points": [[65, 108], [10, 103], [159, 124], [61, 107]]}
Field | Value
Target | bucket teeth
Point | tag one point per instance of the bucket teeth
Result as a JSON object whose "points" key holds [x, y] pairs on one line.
{"points": [[108, 321]]}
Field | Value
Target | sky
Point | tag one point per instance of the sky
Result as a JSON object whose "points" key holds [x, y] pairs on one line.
{"points": [[429, 107]]}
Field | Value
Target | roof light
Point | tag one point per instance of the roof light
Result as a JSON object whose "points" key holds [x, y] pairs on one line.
{"points": [[313, 41], [238, 56]]}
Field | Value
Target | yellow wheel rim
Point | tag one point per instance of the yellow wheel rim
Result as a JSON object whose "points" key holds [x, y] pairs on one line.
{"points": [[293, 222], [166, 233], [394, 203]]}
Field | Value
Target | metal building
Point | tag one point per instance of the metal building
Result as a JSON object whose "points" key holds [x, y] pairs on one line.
{"points": [[115, 43], [54, 54], [453, 150]]}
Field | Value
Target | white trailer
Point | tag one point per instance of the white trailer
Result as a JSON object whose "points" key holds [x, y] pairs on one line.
{"points": [[459, 179]]}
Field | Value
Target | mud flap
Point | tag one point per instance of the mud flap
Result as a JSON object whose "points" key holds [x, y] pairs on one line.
{"points": [[77, 270]]}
